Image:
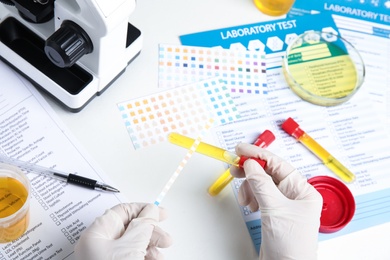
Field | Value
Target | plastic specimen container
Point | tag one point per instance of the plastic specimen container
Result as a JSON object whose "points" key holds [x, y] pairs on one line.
{"points": [[338, 207], [14, 202]]}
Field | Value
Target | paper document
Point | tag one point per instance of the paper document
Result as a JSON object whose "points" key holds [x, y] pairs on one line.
{"points": [[365, 24], [351, 131], [30, 131]]}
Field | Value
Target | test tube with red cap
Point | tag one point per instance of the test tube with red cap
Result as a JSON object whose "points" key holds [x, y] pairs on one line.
{"points": [[262, 141], [292, 128]]}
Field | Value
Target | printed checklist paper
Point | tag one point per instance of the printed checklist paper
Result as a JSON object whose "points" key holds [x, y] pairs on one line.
{"points": [[353, 132], [31, 131], [365, 24]]}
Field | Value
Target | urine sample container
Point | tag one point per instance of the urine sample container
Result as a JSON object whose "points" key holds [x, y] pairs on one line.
{"points": [[15, 191], [323, 68], [338, 203], [274, 7]]}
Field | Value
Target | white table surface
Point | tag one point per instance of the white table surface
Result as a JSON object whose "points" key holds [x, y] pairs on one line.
{"points": [[202, 227]]}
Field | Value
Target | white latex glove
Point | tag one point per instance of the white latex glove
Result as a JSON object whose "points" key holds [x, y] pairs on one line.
{"points": [[290, 207], [127, 231]]}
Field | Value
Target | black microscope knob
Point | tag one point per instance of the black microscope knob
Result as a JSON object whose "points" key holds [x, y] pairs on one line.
{"points": [[68, 44]]}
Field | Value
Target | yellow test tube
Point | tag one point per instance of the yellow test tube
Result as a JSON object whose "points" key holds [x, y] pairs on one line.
{"points": [[262, 141], [211, 150], [204, 148], [292, 128]]}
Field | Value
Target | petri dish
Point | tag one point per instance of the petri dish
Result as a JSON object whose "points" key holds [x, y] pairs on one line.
{"points": [[323, 68]]}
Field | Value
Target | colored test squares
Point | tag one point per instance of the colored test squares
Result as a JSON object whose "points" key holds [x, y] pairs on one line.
{"points": [[243, 71], [184, 109]]}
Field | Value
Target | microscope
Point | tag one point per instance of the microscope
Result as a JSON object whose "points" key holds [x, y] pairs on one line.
{"points": [[72, 49]]}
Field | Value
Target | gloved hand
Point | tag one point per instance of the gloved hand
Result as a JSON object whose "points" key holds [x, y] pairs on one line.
{"points": [[290, 207], [127, 231]]}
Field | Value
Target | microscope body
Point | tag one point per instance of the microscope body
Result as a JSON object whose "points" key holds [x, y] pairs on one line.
{"points": [[77, 53]]}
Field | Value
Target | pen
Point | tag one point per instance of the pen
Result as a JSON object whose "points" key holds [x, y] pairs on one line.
{"points": [[292, 128], [263, 140], [68, 178], [212, 151]]}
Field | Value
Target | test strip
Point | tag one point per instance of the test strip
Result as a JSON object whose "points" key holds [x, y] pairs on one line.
{"points": [[243, 71], [183, 162]]}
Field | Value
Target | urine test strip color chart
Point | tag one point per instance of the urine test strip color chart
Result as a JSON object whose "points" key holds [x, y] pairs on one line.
{"points": [[243, 71], [184, 110]]}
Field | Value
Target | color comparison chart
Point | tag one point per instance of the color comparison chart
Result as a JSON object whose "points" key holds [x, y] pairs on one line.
{"points": [[185, 110], [198, 84], [244, 72]]}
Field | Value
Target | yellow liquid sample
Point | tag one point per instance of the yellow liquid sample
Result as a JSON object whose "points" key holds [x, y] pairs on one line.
{"points": [[274, 7], [13, 195], [225, 178], [204, 148], [220, 183], [329, 161], [211, 151]]}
